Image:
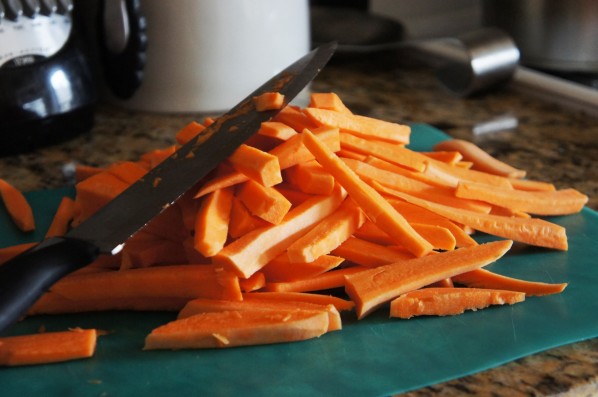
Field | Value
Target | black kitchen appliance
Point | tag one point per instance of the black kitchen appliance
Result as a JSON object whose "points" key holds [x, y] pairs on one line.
{"points": [[47, 90]]}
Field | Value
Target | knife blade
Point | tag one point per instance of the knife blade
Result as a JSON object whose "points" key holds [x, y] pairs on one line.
{"points": [[25, 278]]}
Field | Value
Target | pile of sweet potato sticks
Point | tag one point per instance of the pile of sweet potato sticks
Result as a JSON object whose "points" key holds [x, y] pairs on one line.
{"points": [[322, 211]]}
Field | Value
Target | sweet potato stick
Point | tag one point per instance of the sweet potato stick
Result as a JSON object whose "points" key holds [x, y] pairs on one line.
{"points": [[482, 160], [48, 347], [371, 202], [450, 301], [371, 288], [531, 231], [17, 206], [327, 234], [255, 249], [211, 224]]}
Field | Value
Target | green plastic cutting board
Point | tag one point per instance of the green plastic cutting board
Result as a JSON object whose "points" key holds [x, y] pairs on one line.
{"points": [[375, 356]]}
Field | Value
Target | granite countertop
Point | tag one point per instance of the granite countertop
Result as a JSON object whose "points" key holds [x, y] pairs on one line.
{"points": [[552, 144]]}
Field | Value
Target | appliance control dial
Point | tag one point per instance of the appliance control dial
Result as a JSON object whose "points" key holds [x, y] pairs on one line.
{"points": [[32, 30], [31, 8], [13, 9], [48, 7], [65, 6]]}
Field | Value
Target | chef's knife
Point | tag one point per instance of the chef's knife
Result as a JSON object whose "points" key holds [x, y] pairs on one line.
{"points": [[26, 277]]}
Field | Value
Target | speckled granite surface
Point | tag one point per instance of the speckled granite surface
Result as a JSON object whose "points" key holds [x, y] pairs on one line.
{"points": [[550, 143]]}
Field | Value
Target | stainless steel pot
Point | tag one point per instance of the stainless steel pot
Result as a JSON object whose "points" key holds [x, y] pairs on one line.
{"points": [[551, 34]]}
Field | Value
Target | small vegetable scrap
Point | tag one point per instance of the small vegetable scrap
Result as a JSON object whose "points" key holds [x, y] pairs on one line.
{"points": [[321, 212]]}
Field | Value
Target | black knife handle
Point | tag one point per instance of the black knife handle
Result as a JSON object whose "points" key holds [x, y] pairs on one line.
{"points": [[26, 277]]}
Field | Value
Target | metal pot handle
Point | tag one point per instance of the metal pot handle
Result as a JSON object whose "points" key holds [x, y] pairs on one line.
{"points": [[123, 43]]}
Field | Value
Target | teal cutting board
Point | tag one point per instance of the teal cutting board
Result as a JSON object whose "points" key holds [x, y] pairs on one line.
{"points": [[376, 356]]}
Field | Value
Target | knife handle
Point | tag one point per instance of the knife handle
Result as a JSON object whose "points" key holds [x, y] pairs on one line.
{"points": [[26, 277]]}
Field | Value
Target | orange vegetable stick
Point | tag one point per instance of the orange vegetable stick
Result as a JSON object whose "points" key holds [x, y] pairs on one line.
{"points": [[238, 328], [320, 299], [557, 202], [351, 154], [392, 153], [370, 232], [440, 237], [264, 202], [193, 257], [365, 127], [531, 185], [464, 164], [48, 347], [262, 142], [83, 171], [481, 159], [255, 282], [276, 129], [310, 177], [222, 181], [527, 230], [449, 157], [189, 132], [367, 253], [150, 252], [294, 118], [197, 306], [62, 218], [445, 283], [328, 234], [260, 166], [211, 225], [282, 269], [371, 202], [94, 192], [414, 187], [168, 225], [17, 207], [483, 278], [416, 214], [420, 176], [242, 221], [293, 151], [295, 196], [268, 101], [454, 174], [155, 157], [187, 206], [329, 280], [289, 153], [175, 281], [255, 249], [450, 301], [502, 211], [371, 288], [328, 100], [10, 252], [53, 303]]}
